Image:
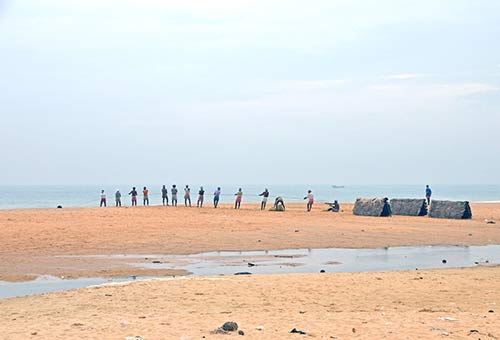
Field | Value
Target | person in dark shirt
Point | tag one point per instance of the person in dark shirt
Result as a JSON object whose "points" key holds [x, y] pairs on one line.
{"points": [[428, 194], [335, 207], [174, 195], [201, 195], [133, 193], [118, 198], [164, 195], [264, 195]]}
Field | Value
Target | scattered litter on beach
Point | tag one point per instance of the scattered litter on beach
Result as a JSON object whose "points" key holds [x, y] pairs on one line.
{"points": [[490, 222], [259, 328], [298, 331], [228, 327], [448, 318]]}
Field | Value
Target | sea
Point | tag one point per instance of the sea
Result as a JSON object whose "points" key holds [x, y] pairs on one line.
{"points": [[51, 196]]}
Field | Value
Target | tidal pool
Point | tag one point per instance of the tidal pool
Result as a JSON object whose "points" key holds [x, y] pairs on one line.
{"points": [[278, 262]]}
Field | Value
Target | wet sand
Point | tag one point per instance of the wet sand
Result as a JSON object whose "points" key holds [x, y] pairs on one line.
{"points": [[33, 238], [390, 305]]}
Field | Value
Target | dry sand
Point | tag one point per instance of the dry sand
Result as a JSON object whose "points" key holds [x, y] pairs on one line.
{"points": [[391, 305], [32, 239]]}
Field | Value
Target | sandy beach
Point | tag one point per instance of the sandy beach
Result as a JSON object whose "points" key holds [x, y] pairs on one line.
{"points": [[432, 304], [36, 241], [417, 304]]}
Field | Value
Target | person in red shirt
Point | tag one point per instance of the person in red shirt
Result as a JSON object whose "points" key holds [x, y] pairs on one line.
{"points": [[145, 194]]}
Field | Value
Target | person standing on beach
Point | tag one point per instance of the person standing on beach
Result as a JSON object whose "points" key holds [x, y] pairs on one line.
{"points": [[428, 194], [164, 195], [174, 195], [103, 198], [239, 196], [145, 196], [118, 198], [310, 200], [133, 193], [264, 195], [216, 197], [201, 195], [187, 196]]}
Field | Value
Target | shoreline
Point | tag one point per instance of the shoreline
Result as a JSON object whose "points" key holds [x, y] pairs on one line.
{"points": [[208, 205]]}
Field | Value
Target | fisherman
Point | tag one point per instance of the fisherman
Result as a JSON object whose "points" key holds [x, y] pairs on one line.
{"points": [[118, 198], [216, 197], [310, 200], [239, 196], [335, 207], [133, 193], [164, 195], [279, 204], [201, 195], [145, 198], [264, 195], [428, 194], [187, 195], [174, 195], [103, 199]]}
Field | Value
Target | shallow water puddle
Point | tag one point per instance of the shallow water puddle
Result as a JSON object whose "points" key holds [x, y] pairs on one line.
{"points": [[47, 284], [280, 262]]}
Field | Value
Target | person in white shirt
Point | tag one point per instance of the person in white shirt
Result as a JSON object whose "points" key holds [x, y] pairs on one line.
{"points": [[103, 198], [310, 200], [187, 196]]}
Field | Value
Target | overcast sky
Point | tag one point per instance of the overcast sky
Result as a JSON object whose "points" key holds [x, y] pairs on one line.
{"points": [[228, 91]]}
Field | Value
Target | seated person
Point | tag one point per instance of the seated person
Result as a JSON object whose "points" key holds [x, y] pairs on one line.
{"points": [[334, 207]]}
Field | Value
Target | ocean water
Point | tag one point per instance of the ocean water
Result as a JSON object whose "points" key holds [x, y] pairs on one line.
{"points": [[50, 196]]}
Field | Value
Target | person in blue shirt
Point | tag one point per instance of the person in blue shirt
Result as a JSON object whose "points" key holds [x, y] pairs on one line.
{"points": [[428, 194]]}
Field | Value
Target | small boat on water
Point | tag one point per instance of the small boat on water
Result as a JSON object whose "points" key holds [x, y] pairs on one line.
{"points": [[338, 186]]}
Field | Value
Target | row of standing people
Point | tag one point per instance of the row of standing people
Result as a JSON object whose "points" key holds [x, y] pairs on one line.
{"points": [[201, 197]]}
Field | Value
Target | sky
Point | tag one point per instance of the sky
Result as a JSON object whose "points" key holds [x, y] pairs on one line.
{"points": [[230, 91]]}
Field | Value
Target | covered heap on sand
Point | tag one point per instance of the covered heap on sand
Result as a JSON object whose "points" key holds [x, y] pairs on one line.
{"points": [[409, 206], [450, 209], [378, 207]]}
